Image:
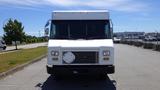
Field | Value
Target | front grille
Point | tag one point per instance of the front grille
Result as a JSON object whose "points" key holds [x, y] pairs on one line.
{"points": [[85, 57]]}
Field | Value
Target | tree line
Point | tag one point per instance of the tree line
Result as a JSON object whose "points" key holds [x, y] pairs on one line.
{"points": [[14, 31]]}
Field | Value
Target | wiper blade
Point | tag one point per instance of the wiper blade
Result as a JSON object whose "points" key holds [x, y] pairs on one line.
{"points": [[96, 37], [61, 37]]}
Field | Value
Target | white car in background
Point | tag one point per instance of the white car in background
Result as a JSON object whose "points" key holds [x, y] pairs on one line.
{"points": [[116, 40]]}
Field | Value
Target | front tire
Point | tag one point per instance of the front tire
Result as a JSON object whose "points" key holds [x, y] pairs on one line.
{"points": [[4, 48], [102, 76]]}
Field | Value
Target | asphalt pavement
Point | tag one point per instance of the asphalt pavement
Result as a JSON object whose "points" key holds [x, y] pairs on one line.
{"points": [[136, 69]]}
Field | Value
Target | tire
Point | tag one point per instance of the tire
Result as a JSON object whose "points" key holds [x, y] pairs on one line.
{"points": [[102, 76], [57, 76], [4, 48]]}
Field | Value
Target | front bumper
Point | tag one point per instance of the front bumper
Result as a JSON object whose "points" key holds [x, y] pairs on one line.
{"points": [[81, 69]]}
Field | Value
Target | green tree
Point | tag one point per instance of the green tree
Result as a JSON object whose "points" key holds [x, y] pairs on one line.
{"points": [[13, 31]]}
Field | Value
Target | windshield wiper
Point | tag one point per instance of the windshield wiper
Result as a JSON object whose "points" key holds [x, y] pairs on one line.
{"points": [[96, 37], [77, 37], [61, 37], [69, 37]]}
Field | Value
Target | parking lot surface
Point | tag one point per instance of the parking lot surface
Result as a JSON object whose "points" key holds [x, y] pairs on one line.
{"points": [[136, 69]]}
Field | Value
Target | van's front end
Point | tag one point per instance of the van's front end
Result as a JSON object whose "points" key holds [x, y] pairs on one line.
{"points": [[80, 42]]}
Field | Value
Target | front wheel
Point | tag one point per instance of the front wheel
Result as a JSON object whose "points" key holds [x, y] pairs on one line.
{"points": [[57, 76], [102, 76], [4, 48]]}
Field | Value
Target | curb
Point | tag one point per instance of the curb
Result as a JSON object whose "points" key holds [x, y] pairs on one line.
{"points": [[20, 67]]}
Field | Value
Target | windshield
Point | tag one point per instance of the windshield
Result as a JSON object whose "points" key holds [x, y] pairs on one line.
{"points": [[80, 29]]}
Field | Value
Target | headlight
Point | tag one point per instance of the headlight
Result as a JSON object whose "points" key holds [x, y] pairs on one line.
{"points": [[106, 53], [68, 57], [54, 53]]}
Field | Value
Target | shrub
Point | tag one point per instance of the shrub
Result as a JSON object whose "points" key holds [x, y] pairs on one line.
{"points": [[148, 45], [131, 42], [157, 47], [123, 41], [138, 44]]}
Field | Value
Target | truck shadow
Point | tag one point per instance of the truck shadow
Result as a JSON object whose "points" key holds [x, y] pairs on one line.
{"points": [[79, 83]]}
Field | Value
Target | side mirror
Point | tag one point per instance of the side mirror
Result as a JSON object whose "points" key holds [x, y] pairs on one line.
{"points": [[47, 24], [46, 28], [46, 31]]}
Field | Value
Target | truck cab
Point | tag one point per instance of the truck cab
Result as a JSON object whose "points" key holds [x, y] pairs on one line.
{"points": [[80, 42]]}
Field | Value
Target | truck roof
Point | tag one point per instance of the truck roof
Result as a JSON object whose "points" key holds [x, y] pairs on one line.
{"points": [[80, 15]]}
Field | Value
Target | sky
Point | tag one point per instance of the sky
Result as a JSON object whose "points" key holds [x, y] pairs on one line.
{"points": [[126, 15]]}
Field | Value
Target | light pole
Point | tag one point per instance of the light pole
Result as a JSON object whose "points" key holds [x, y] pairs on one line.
{"points": [[39, 33], [157, 37]]}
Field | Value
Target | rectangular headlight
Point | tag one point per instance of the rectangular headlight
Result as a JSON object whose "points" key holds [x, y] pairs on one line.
{"points": [[106, 53]]}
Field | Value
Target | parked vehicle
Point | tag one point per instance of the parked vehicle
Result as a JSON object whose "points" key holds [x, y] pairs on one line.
{"points": [[158, 38], [117, 40], [80, 42], [2, 45], [150, 38]]}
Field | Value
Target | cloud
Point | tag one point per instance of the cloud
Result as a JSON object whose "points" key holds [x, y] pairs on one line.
{"points": [[118, 5]]}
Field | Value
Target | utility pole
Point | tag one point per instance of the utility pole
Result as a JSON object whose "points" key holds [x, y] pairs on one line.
{"points": [[157, 37]]}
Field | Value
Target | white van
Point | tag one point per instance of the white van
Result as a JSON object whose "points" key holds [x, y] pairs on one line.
{"points": [[80, 42]]}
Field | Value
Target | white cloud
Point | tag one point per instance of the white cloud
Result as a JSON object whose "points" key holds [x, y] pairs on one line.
{"points": [[119, 5]]}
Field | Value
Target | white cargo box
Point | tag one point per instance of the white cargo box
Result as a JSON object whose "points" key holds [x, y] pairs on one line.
{"points": [[81, 15]]}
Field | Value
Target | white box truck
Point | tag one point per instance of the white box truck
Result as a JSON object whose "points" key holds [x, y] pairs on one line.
{"points": [[80, 42]]}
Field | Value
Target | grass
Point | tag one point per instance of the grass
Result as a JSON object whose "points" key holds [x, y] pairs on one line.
{"points": [[12, 59]]}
